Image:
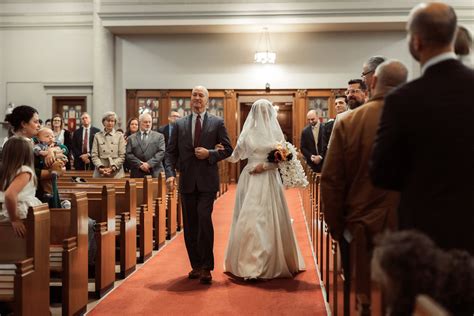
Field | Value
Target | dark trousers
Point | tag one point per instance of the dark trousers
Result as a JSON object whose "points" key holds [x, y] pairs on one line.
{"points": [[80, 165], [198, 231]]}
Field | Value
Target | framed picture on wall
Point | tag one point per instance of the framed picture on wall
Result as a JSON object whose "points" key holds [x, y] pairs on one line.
{"points": [[321, 105], [150, 105]]}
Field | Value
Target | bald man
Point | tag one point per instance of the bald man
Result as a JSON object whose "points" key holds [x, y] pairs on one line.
{"points": [[430, 161], [312, 141], [192, 144], [351, 203]]}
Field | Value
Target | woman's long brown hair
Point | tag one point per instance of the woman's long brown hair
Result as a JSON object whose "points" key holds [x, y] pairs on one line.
{"points": [[16, 152]]}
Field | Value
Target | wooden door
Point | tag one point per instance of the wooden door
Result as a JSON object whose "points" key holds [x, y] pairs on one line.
{"points": [[284, 117], [71, 109]]}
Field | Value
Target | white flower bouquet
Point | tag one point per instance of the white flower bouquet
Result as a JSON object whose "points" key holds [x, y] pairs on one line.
{"points": [[291, 170]]}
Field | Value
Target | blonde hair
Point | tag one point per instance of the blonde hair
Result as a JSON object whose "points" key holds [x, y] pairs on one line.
{"points": [[17, 152]]}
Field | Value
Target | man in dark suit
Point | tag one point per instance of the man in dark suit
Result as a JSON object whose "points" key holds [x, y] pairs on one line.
{"points": [[145, 150], [431, 162], [313, 151], [167, 129], [340, 105], [82, 143], [192, 144]]}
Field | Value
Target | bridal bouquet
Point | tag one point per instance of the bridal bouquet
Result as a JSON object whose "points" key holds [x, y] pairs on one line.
{"points": [[291, 171]]}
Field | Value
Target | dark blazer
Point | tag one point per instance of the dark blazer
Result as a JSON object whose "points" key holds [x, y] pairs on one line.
{"points": [[165, 130], [431, 162], [308, 147], [152, 152], [196, 173], [68, 144], [76, 145]]}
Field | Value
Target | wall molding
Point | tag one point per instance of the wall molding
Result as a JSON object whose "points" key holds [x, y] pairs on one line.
{"points": [[155, 16]]}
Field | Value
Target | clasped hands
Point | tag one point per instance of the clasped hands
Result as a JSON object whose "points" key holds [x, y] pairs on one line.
{"points": [[316, 159], [145, 167], [85, 158], [107, 171]]}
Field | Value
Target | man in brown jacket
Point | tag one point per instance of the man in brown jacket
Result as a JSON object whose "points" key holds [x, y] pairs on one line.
{"points": [[354, 209]]}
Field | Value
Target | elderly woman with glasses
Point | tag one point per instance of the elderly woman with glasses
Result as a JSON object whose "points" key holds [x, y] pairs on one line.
{"points": [[108, 149]]}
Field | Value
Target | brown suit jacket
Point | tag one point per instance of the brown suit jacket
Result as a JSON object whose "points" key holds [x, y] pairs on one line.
{"points": [[348, 196]]}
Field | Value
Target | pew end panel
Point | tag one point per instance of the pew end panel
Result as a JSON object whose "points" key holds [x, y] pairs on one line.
{"points": [[24, 264]]}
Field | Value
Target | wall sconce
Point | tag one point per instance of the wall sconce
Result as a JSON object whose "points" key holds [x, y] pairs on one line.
{"points": [[267, 87], [264, 53]]}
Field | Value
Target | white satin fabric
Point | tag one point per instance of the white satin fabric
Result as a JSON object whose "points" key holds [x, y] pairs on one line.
{"points": [[262, 243]]}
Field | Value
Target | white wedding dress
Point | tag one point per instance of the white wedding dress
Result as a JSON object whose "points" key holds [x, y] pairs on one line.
{"points": [[262, 243]]}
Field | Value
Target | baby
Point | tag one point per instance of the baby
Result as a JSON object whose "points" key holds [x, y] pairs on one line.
{"points": [[46, 143]]}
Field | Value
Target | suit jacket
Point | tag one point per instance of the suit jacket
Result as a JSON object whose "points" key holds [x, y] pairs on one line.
{"points": [[152, 151], [328, 126], [349, 197], [76, 145], [202, 175], [431, 162], [308, 147], [165, 130]]}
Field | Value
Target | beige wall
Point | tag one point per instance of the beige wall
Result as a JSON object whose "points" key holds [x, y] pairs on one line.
{"points": [[36, 58]]}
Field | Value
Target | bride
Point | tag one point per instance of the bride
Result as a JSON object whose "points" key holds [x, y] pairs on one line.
{"points": [[262, 243]]}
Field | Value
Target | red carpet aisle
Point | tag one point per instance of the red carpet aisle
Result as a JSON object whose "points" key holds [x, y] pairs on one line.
{"points": [[161, 286]]}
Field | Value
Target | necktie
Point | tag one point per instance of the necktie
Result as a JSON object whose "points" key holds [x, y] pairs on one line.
{"points": [[197, 131], [144, 136], [85, 142], [169, 134], [316, 136]]}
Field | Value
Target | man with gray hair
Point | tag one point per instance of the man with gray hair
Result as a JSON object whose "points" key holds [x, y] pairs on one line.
{"points": [[352, 205], [368, 70], [431, 162], [145, 150]]}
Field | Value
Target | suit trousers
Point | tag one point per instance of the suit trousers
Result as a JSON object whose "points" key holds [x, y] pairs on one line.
{"points": [[198, 230]]}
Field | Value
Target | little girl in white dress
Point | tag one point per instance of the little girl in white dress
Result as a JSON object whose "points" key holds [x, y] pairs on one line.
{"points": [[17, 182]]}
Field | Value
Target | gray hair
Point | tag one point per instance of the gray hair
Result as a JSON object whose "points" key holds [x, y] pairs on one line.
{"points": [[108, 115], [374, 61], [390, 74], [140, 118]]}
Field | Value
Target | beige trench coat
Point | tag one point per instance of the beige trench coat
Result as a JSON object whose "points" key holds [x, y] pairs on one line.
{"points": [[108, 149]]}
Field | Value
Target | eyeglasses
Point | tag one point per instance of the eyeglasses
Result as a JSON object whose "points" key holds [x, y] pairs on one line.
{"points": [[366, 73], [353, 91]]}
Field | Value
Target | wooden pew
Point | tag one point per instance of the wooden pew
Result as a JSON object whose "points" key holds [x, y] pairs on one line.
{"points": [[172, 213], [68, 253], [142, 217], [24, 264], [85, 174], [101, 207], [125, 220], [160, 212], [179, 209]]}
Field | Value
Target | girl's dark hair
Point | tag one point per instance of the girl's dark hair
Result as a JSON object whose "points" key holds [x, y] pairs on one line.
{"points": [[128, 132], [20, 114], [17, 152]]}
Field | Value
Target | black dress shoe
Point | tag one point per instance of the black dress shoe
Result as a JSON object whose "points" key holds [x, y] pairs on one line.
{"points": [[194, 274], [206, 277]]}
